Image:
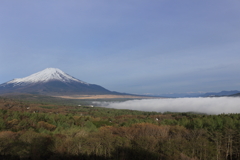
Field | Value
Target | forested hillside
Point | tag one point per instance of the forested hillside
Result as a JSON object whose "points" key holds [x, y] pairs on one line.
{"points": [[51, 131]]}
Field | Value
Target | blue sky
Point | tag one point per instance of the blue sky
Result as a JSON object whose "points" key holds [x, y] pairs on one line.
{"points": [[132, 46]]}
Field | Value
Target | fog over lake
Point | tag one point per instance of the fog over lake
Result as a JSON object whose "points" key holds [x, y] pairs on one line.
{"points": [[204, 105]]}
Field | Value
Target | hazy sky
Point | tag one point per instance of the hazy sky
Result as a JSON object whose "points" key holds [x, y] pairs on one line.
{"points": [[132, 46]]}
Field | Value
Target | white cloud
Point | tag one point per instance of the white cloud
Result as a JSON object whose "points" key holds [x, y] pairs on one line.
{"points": [[203, 105]]}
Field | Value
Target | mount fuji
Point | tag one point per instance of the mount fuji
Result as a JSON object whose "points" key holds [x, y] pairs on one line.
{"points": [[52, 81]]}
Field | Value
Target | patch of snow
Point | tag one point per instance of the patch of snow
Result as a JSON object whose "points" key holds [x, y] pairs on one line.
{"points": [[45, 75]]}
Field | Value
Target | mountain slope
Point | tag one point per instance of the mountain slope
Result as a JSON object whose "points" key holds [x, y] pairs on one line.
{"points": [[51, 81], [222, 93], [207, 94], [46, 75]]}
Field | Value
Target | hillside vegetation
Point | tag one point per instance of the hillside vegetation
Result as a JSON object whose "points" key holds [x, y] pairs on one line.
{"points": [[51, 131]]}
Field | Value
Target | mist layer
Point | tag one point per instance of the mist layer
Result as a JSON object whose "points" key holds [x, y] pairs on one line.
{"points": [[203, 105]]}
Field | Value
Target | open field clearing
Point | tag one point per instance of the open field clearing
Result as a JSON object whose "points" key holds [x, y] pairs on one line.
{"points": [[104, 97]]}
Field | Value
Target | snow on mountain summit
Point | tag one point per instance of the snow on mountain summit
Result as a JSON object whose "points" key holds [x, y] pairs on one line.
{"points": [[52, 82], [45, 75]]}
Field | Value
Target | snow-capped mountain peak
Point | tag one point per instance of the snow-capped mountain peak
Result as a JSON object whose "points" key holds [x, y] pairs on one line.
{"points": [[45, 75], [51, 81]]}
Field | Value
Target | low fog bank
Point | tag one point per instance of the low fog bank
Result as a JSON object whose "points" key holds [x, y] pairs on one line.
{"points": [[203, 105]]}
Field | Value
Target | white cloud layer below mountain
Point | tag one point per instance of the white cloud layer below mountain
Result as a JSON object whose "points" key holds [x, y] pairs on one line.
{"points": [[203, 105]]}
